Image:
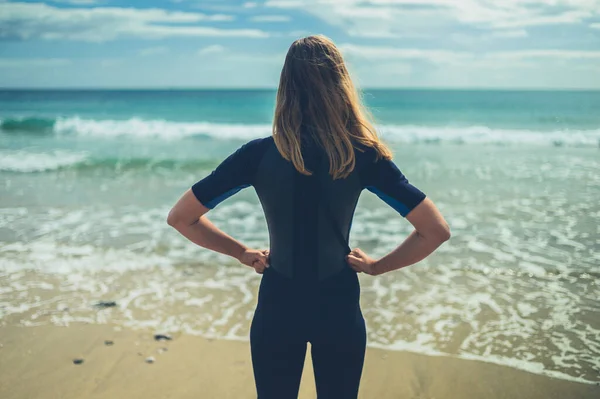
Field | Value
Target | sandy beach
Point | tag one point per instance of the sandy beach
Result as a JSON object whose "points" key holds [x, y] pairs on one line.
{"points": [[87, 178], [37, 362]]}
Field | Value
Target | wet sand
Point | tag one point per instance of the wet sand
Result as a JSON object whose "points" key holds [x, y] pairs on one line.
{"points": [[37, 362]]}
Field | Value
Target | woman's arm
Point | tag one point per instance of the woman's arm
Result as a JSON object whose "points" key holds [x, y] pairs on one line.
{"points": [[188, 217], [431, 230]]}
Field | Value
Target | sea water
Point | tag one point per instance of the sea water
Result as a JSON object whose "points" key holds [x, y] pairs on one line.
{"points": [[88, 177]]}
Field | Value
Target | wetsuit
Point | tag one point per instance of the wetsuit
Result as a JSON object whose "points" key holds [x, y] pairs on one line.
{"points": [[309, 293]]}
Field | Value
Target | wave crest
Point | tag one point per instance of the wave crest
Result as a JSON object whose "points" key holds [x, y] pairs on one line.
{"points": [[170, 130], [29, 162], [24, 161], [32, 125], [163, 129]]}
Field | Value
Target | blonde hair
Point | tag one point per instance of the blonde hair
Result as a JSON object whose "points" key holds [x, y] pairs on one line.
{"points": [[316, 96]]}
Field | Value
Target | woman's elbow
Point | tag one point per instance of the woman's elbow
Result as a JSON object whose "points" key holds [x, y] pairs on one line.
{"points": [[173, 219], [443, 233], [438, 233]]}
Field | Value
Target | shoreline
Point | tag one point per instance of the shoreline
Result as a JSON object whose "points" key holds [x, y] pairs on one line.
{"points": [[515, 364], [37, 362]]}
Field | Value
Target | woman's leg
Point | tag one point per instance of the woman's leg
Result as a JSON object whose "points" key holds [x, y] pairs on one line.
{"points": [[278, 356], [338, 338], [277, 339], [338, 356]]}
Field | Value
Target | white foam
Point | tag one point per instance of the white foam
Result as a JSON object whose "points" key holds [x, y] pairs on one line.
{"points": [[51, 257], [525, 365], [532, 268], [484, 134], [163, 129], [496, 297], [27, 161], [169, 130]]}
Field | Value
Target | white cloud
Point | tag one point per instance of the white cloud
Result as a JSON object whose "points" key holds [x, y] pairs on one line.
{"points": [[33, 62], [40, 21], [595, 26], [250, 4], [386, 53], [212, 49], [222, 17], [389, 18], [454, 58], [412, 67], [556, 54], [485, 40], [270, 18], [510, 33], [285, 3], [153, 51], [569, 17]]}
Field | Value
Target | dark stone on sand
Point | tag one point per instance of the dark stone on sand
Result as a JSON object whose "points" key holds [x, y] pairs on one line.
{"points": [[108, 343], [77, 361], [106, 304], [162, 337]]}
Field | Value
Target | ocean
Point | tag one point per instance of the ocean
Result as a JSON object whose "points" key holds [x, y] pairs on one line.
{"points": [[87, 179]]}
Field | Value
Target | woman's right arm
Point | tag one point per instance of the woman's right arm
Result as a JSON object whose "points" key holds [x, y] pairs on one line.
{"points": [[431, 230]]}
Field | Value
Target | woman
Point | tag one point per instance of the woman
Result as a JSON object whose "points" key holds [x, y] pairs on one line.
{"points": [[308, 176]]}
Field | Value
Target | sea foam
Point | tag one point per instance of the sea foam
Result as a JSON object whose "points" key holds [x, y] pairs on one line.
{"points": [[27, 161], [171, 130]]}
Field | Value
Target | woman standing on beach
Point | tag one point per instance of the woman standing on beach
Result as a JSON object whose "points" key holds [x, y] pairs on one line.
{"points": [[308, 176]]}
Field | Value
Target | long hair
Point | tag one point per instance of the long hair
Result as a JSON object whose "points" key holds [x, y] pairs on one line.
{"points": [[316, 97]]}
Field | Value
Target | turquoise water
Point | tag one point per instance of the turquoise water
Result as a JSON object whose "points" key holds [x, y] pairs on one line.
{"points": [[87, 178], [541, 110]]}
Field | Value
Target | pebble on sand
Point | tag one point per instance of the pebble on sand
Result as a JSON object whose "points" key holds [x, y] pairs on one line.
{"points": [[77, 361], [162, 337], [150, 359], [108, 342], [106, 304]]}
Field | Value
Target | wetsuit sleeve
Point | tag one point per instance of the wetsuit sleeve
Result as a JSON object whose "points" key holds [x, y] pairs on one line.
{"points": [[384, 179], [235, 173]]}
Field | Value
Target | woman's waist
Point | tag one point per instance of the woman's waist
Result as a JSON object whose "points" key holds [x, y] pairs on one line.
{"points": [[342, 285], [309, 267]]}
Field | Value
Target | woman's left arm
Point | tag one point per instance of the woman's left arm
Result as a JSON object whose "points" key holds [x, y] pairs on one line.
{"points": [[188, 217]]}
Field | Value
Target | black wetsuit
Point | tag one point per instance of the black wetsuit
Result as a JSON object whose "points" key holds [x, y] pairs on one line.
{"points": [[309, 293]]}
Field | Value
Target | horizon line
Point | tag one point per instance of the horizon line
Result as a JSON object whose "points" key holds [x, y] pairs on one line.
{"points": [[242, 88]]}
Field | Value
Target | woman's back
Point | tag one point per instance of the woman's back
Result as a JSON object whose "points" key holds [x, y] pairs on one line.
{"points": [[308, 216]]}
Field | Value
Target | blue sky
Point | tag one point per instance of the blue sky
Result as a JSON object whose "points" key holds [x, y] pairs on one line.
{"points": [[235, 43]]}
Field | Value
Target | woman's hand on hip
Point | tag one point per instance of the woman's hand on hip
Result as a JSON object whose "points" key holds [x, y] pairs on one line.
{"points": [[255, 258], [361, 262]]}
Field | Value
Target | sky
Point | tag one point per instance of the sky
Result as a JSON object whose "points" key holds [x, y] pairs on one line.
{"points": [[537, 44]]}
